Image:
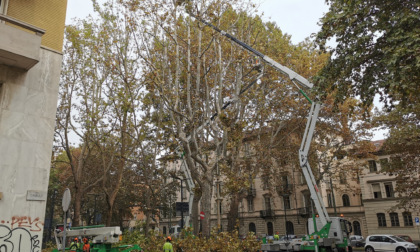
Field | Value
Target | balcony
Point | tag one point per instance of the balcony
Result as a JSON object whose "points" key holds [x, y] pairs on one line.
{"points": [[304, 212], [267, 214], [20, 43]]}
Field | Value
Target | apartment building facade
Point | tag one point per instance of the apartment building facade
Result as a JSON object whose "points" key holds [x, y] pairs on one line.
{"points": [[31, 40], [266, 210], [380, 199]]}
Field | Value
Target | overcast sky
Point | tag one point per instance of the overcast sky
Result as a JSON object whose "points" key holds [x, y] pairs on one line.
{"points": [[298, 18]]}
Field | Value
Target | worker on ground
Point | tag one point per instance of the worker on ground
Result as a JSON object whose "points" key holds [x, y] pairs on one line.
{"points": [[86, 245], [74, 245], [276, 236], [167, 247]]}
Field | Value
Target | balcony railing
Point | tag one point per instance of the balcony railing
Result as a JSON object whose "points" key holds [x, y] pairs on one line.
{"points": [[304, 211], [267, 213], [20, 43]]}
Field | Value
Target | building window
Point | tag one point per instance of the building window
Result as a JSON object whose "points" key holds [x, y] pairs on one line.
{"points": [[252, 228], [376, 189], [395, 222], [164, 230], [289, 228], [330, 204], [372, 166], [267, 203], [346, 200], [270, 229], [266, 182], [384, 164], [220, 207], [343, 179], [356, 228], [408, 219], [250, 204], [389, 190], [286, 202], [381, 219], [302, 179], [285, 181]]}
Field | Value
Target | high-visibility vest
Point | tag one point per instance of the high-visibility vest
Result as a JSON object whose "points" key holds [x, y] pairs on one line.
{"points": [[167, 247], [86, 247], [74, 246]]}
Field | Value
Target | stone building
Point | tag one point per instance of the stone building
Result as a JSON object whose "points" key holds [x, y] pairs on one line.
{"points": [[365, 198], [266, 210], [31, 40], [379, 199]]}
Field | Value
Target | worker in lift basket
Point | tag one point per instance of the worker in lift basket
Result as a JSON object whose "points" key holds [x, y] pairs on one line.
{"points": [[167, 247], [86, 245], [74, 245]]}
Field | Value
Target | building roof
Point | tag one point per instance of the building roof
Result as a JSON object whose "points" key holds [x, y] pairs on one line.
{"points": [[378, 144]]}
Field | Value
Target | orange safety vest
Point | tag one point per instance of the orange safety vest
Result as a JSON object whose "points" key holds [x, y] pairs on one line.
{"points": [[86, 247]]}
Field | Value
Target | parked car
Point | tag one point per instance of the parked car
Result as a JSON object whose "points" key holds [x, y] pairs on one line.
{"points": [[390, 243], [357, 241], [288, 237], [405, 237], [175, 231]]}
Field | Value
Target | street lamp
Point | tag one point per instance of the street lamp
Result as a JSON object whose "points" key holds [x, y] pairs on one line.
{"points": [[285, 214]]}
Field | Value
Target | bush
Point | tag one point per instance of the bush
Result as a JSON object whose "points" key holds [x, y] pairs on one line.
{"points": [[49, 246], [224, 241]]}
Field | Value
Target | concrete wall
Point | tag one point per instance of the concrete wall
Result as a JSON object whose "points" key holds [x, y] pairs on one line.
{"points": [[28, 102]]}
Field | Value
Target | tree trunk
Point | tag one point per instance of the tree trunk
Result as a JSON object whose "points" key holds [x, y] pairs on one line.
{"points": [[233, 214], [110, 204], [194, 212], [206, 202], [77, 206]]}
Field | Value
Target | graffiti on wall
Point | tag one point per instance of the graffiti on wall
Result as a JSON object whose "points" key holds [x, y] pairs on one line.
{"points": [[20, 234]]}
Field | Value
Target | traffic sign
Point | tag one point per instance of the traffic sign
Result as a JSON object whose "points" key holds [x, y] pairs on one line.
{"points": [[66, 200], [416, 219], [202, 215]]}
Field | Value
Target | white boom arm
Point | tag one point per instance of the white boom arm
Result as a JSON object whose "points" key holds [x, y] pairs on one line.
{"points": [[310, 126], [304, 163]]}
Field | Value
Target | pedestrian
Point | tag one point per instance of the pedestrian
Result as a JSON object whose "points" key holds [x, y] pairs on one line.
{"points": [[167, 247], [74, 245], [276, 236], [86, 245]]}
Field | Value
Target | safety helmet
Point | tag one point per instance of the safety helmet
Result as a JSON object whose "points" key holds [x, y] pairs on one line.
{"points": [[169, 238], [75, 239]]}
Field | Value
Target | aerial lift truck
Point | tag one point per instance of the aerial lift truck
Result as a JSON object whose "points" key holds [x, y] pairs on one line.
{"points": [[325, 233], [101, 239]]}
